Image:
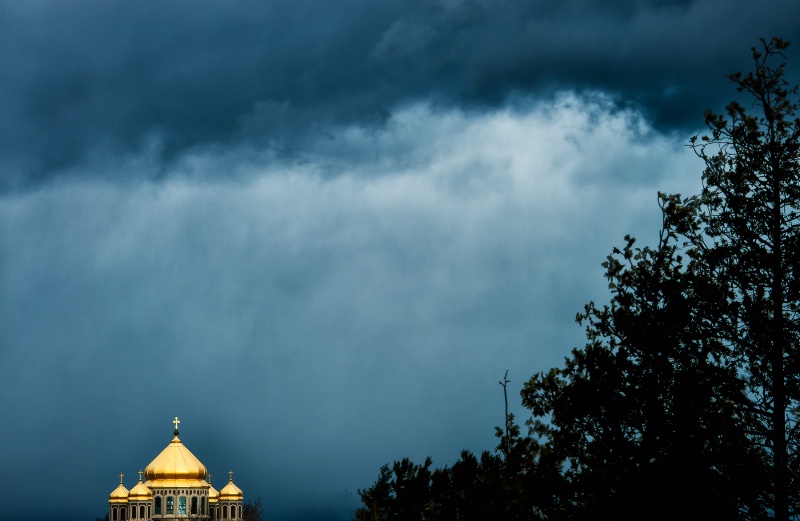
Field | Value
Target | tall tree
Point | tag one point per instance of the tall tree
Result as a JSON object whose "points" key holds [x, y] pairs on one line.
{"points": [[750, 239], [693, 366]]}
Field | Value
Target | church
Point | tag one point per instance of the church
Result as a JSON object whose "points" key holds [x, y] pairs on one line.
{"points": [[177, 486]]}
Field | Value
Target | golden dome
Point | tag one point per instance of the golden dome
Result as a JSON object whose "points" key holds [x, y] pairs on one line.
{"points": [[140, 492], [176, 466], [213, 495], [230, 492], [120, 494]]}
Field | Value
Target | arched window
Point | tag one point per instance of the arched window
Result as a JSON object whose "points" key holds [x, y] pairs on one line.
{"points": [[158, 505], [114, 514], [122, 513], [194, 505], [170, 505], [225, 512], [182, 505], [202, 506], [141, 511]]}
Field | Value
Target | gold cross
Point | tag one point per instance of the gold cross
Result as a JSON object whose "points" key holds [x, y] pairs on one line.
{"points": [[140, 475], [176, 421], [231, 474], [120, 477]]}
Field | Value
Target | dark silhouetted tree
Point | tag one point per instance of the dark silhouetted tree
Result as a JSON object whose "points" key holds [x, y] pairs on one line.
{"points": [[377, 499], [253, 511], [519, 481], [692, 369], [644, 415], [750, 240]]}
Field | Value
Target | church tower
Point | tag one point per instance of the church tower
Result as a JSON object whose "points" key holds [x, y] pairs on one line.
{"points": [[177, 487]]}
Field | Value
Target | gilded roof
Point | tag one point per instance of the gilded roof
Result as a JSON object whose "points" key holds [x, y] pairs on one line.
{"points": [[140, 492], [230, 492], [176, 466], [213, 494], [119, 494]]}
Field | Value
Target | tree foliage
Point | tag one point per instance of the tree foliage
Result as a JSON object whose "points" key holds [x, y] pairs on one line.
{"points": [[520, 484], [650, 396], [751, 242], [253, 511]]}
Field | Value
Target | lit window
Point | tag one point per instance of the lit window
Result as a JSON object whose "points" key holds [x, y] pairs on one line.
{"points": [[170, 505], [182, 505]]}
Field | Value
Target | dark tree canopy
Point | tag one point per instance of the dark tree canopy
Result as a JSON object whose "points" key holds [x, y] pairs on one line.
{"points": [[253, 511], [750, 219], [521, 484]]}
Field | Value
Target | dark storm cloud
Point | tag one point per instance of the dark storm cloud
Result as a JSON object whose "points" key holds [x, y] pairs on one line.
{"points": [[91, 79]]}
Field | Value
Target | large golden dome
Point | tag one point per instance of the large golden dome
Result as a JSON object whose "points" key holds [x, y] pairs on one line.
{"points": [[176, 466]]}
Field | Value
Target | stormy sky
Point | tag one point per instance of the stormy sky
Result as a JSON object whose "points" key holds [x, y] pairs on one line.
{"points": [[319, 232]]}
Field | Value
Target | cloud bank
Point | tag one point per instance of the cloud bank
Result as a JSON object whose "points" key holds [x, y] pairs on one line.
{"points": [[93, 79], [309, 327]]}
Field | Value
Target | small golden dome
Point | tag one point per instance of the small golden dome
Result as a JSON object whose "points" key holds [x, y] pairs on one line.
{"points": [[230, 492], [175, 466], [140, 492], [120, 494], [213, 495]]}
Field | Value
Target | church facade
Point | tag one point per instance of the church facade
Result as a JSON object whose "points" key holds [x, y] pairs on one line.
{"points": [[176, 486]]}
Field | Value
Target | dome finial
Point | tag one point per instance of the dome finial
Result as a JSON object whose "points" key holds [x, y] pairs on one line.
{"points": [[230, 472], [140, 475], [176, 421], [120, 477]]}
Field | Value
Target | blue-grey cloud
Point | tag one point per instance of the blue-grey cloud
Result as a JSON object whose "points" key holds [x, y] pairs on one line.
{"points": [[308, 327]]}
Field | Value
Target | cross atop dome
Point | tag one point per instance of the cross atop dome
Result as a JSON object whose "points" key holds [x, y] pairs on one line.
{"points": [[176, 421]]}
